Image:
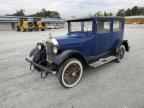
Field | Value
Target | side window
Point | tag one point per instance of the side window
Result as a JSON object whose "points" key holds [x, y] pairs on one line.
{"points": [[117, 25], [103, 26], [87, 26]]}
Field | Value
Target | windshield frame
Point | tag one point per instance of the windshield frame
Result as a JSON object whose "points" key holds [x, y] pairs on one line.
{"points": [[70, 26]]}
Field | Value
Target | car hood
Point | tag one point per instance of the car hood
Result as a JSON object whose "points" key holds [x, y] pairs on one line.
{"points": [[69, 42]]}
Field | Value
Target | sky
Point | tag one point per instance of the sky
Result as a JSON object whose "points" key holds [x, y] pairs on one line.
{"points": [[67, 8]]}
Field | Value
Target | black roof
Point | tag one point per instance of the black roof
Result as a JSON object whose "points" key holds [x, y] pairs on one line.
{"points": [[96, 17]]}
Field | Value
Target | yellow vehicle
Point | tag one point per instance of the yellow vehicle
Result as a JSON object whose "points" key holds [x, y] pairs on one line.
{"points": [[38, 24], [30, 26], [24, 25]]}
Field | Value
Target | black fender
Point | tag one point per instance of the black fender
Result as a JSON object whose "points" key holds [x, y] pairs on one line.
{"points": [[69, 54], [35, 50], [126, 44], [122, 42]]}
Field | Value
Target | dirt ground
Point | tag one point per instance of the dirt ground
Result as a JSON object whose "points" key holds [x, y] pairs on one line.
{"points": [[113, 85]]}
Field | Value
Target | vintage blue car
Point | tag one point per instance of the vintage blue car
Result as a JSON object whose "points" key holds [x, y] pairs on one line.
{"points": [[90, 42]]}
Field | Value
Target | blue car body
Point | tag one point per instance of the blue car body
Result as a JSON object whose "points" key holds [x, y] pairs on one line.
{"points": [[93, 44], [89, 41]]}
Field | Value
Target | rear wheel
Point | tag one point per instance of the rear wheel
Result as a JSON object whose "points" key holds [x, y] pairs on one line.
{"points": [[70, 73], [121, 53]]}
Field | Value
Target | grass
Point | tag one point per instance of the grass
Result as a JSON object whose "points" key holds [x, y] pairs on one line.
{"points": [[134, 20]]}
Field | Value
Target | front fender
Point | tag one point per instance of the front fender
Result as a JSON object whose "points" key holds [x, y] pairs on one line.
{"points": [[35, 50], [69, 54]]}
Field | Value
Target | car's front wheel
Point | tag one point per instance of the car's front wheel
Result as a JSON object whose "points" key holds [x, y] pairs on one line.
{"points": [[121, 53], [70, 72]]}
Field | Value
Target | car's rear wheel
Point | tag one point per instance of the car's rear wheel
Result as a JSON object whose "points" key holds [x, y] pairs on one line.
{"points": [[70, 73], [121, 53]]}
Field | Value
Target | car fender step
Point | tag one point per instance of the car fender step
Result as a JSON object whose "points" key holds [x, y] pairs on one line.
{"points": [[103, 61]]}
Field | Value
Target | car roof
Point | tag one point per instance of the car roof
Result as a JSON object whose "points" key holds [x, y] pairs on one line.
{"points": [[96, 17]]}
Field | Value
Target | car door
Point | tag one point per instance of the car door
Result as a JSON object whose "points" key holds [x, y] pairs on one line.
{"points": [[103, 37]]}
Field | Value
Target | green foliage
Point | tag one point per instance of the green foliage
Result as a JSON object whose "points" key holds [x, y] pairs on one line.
{"points": [[18, 13], [103, 14], [121, 12], [131, 12], [42, 13], [98, 14], [46, 13]]}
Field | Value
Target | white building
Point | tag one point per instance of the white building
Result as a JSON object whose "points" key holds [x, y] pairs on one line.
{"points": [[8, 23]]}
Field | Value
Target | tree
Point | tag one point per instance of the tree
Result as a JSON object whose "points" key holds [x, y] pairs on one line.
{"points": [[128, 12], [135, 10], [105, 13], [46, 13], [131, 11], [121, 12], [43, 12], [110, 14], [18, 13], [98, 13]]}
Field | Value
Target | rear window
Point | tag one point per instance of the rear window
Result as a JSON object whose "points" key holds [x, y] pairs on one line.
{"points": [[103, 26], [117, 25]]}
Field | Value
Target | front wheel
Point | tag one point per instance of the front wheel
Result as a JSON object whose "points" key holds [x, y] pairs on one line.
{"points": [[18, 28], [121, 53], [70, 73]]}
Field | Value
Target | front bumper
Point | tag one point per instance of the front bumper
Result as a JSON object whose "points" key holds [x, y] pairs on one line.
{"points": [[40, 66]]}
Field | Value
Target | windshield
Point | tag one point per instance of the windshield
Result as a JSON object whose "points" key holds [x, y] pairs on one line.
{"points": [[82, 26]]}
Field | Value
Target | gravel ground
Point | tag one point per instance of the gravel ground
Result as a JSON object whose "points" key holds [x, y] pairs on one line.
{"points": [[113, 85]]}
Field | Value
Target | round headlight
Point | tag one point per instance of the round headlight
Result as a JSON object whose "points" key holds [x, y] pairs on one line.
{"points": [[54, 41], [55, 49]]}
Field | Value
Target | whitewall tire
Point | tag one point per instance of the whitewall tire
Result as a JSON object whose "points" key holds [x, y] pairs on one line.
{"points": [[70, 73]]}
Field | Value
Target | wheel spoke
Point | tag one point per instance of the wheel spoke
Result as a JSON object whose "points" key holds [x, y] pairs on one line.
{"points": [[72, 73]]}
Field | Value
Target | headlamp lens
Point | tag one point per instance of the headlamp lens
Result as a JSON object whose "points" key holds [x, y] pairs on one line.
{"points": [[55, 49]]}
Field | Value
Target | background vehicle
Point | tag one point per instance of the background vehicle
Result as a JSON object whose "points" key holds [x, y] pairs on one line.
{"points": [[54, 26], [90, 41], [24, 25], [20, 24], [30, 26], [38, 24]]}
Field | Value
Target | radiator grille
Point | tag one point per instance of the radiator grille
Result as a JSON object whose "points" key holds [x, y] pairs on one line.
{"points": [[49, 51]]}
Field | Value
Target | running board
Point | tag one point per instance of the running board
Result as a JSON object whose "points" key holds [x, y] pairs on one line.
{"points": [[102, 61]]}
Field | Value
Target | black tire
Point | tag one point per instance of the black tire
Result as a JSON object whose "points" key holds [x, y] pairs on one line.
{"points": [[121, 54], [36, 29], [72, 70], [30, 30], [42, 29], [23, 29], [18, 29]]}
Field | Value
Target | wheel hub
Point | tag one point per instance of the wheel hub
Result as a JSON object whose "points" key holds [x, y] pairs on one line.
{"points": [[72, 73]]}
